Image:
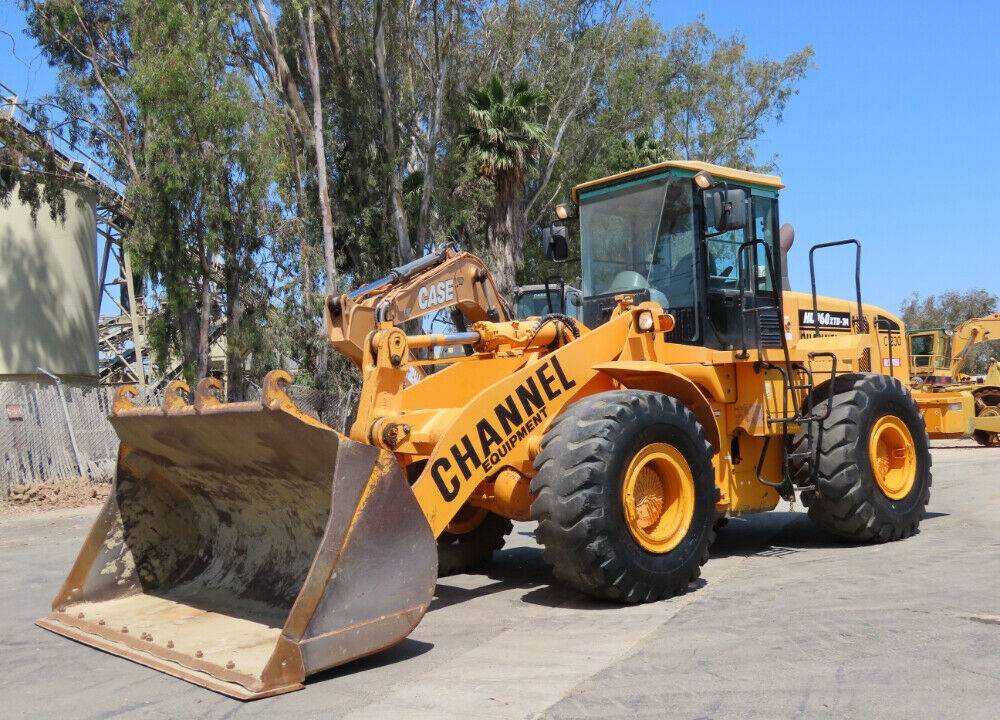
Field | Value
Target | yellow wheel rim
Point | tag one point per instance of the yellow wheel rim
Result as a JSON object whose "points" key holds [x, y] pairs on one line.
{"points": [[658, 497], [893, 457]]}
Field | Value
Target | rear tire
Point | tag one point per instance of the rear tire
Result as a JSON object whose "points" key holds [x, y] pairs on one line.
{"points": [[873, 474], [625, 496]]}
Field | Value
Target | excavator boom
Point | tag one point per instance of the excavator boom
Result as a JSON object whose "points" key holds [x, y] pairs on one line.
{"points": [[438, 281]]}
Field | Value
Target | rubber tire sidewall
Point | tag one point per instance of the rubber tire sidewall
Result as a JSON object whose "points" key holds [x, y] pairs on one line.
{"points": [[632, 441]]}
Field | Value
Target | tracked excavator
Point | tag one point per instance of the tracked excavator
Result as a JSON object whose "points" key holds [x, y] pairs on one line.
{"points": [[246, 546], [936, 360]]}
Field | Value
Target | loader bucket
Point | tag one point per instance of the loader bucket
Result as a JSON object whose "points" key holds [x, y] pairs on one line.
{"points": [[246, 546]]}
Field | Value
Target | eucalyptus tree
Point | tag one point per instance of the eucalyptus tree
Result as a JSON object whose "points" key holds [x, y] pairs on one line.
{"points": [[719, 100], [201, 202]]}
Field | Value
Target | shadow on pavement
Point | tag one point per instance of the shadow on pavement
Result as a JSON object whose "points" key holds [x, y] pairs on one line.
{"points": [[768, 534], [406, 649]]}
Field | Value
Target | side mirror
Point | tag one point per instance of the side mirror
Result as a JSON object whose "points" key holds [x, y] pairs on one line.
{"points": [[726, 209], [555, 242]]}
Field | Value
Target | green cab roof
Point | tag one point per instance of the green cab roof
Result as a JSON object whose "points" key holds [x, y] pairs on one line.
{"points": [[690, 166]]}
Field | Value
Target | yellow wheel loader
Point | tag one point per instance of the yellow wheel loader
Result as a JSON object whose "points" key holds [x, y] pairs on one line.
{"points": [[246, 546], [936, 360]]}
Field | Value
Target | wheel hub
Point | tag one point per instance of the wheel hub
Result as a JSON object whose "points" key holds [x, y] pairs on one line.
{"points": [[658, 497], [893, 457]]}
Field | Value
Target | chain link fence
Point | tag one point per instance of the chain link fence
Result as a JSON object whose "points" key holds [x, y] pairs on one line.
{"points": [[53, 431]]}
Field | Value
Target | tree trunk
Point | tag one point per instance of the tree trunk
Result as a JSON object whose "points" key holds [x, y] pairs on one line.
{"points": [[389, 139], [308, 31], [188, 319], [205, 325], [507, 233], [443, 48], [235, 387]]}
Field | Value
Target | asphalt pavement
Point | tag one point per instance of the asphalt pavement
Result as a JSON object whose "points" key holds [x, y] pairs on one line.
{"points": [[786, 622]]}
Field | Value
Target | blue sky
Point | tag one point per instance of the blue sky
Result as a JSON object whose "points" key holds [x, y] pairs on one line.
{"points": [[889, 140]]}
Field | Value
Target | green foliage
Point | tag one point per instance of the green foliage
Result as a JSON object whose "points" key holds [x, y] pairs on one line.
{"points": [[29, 166], [201, 202], [89, 42], [946, 310], [501, 139], [503, 131], [719, 100]]}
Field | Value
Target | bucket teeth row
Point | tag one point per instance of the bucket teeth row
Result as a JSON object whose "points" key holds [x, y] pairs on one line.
{"points": [[178, 400]]}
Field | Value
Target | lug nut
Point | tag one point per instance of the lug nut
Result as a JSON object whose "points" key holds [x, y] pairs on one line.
{"points": [[125, 629], [170, 643], [230, 665], [198, 653]]}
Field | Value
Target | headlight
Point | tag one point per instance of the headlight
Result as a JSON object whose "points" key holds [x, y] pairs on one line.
{"points": [[645, 321]]}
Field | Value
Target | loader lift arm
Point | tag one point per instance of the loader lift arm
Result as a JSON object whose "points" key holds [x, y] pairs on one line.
{"points": [[438, 281]]}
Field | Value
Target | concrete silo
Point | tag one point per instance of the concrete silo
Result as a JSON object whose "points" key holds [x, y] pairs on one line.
{"points": [[48, 286]]}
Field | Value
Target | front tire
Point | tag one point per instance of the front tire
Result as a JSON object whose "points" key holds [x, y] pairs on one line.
{"points": [[873, 474], [625, 496]]}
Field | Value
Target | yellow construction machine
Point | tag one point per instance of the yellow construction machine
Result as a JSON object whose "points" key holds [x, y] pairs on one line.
{"points": [[445, 281], [936, 360], [246, 546]]}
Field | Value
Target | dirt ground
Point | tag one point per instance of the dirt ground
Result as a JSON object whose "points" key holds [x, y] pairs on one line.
{"points": [[54, 495]]}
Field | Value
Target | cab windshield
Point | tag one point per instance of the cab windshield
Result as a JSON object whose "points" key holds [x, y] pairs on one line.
{"points": [[642, 237]]}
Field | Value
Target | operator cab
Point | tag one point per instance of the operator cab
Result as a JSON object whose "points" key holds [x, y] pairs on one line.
{"points": [[554, 296], [653, 233]]}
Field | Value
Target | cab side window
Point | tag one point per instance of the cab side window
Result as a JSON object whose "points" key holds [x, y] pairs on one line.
{"points": [[764, 226]]}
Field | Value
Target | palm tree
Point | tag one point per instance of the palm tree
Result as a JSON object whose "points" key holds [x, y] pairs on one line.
{"points": [[502, 136]]}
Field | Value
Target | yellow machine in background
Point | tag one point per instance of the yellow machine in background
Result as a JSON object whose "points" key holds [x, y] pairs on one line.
{"points": [[247, 546], [936, 360], [937, 356]]}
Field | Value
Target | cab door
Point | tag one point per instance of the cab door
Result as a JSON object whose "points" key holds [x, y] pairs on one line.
{"points": [[743, 299]]}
